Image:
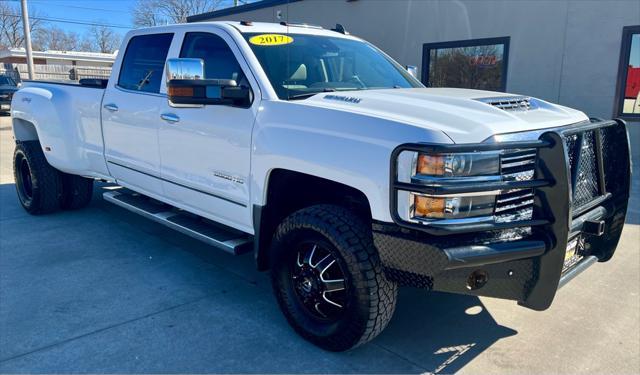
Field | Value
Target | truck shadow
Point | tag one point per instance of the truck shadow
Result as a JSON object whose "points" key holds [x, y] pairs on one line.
{"points": [[440, 331]]}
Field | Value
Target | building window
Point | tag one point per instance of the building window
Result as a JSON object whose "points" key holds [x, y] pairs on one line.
{"points": [[474, 64], [628, 87]]}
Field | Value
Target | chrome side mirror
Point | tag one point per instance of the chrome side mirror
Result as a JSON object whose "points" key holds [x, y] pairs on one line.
{"points": [[413, 70], [187, 86], [191, 69]]}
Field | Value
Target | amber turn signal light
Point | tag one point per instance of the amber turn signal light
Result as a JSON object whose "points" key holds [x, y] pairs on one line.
{"points": [[180, 91], [429, 207], [432, 165]]}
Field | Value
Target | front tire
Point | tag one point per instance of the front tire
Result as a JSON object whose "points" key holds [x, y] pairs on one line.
{"points": [[38, 184], [328, 278]]}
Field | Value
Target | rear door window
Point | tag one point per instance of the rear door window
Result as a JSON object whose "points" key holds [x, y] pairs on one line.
{"points": [[143, 63]]}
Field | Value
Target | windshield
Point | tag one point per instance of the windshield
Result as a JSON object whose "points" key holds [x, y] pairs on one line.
{"points": [[299, 66], [7, 81]]}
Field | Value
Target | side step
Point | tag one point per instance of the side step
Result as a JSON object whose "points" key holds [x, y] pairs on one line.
{"points": [[214, 234]]}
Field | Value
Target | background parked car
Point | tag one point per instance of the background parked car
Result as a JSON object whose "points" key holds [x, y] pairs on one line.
{"points": [[7, 88]]}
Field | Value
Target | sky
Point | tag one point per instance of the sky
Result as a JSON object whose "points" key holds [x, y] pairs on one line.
{"points": [[109, 12]]}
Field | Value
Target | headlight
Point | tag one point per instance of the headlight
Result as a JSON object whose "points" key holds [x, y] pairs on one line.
{"points": [[446, 169], [459, 165], [445, 189]]}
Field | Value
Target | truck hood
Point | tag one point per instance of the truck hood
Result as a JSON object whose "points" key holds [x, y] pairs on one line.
{"points": [[465, 116]]}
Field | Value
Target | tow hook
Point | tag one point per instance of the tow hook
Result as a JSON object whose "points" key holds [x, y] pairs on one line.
{"points": [[594, 227]]}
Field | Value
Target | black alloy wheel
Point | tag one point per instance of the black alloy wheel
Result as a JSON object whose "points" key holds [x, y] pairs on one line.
{"points": [[319, 281]]}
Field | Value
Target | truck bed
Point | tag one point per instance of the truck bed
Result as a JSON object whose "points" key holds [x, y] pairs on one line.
{"points": [[67, 118]]}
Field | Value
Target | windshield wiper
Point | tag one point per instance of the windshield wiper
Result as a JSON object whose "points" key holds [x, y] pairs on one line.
{"points": [[308, 94], [359, 81]]}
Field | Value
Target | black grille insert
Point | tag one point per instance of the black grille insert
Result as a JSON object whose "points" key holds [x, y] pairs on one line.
{"points": [[587, 186], [583, 159], [516, 204], [614, 160]]}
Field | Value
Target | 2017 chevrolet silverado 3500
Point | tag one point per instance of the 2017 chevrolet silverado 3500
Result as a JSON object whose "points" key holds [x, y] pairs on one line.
{"points": [[338, 169]]}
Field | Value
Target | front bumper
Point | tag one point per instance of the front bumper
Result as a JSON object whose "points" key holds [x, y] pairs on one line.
{"points": [[524, 260]]}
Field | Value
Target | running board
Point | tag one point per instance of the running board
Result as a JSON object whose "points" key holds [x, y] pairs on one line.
{"points": [[214, 234]]}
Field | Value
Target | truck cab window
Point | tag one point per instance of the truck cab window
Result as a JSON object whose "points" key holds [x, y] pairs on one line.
{"points": [[219, 61], [310, 64], [143, 62]]}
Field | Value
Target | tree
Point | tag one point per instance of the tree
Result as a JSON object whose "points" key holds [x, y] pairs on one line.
{"points": [[85, 44], [161, 12], [144, 16], [104, 39], [55, 38], [477, 67], [11, 29]]}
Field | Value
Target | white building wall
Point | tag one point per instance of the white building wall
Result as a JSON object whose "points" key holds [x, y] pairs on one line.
{"points": [[564, 51], [79, 62]]}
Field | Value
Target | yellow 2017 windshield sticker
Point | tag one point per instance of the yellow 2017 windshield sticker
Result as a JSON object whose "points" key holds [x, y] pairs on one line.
{"points": [[270, 40]]}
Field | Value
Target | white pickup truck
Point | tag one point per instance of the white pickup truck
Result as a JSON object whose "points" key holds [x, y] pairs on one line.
{"points": [[338, 169]]}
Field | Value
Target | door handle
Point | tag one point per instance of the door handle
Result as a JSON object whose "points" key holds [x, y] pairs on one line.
{"points": [[170, 117], [111, 107]]}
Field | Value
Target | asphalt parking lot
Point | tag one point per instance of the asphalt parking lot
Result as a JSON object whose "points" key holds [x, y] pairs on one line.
{"points": [[102, 290]]}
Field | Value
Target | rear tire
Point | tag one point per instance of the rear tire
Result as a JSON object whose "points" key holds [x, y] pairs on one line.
{"points": [[312, 251], [38, 184], [77, 191]]}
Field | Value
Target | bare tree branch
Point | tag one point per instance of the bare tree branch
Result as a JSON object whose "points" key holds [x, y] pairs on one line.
{"points": [[11, 30], [161, 12], [145, 14], [55, 38], [104, 39]]}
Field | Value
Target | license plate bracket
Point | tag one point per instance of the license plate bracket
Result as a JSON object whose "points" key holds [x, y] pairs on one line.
{"points": [[573, 254]]}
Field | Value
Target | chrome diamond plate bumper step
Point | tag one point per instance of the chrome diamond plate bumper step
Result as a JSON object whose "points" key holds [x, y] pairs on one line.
{"points": [[214, 234]]}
